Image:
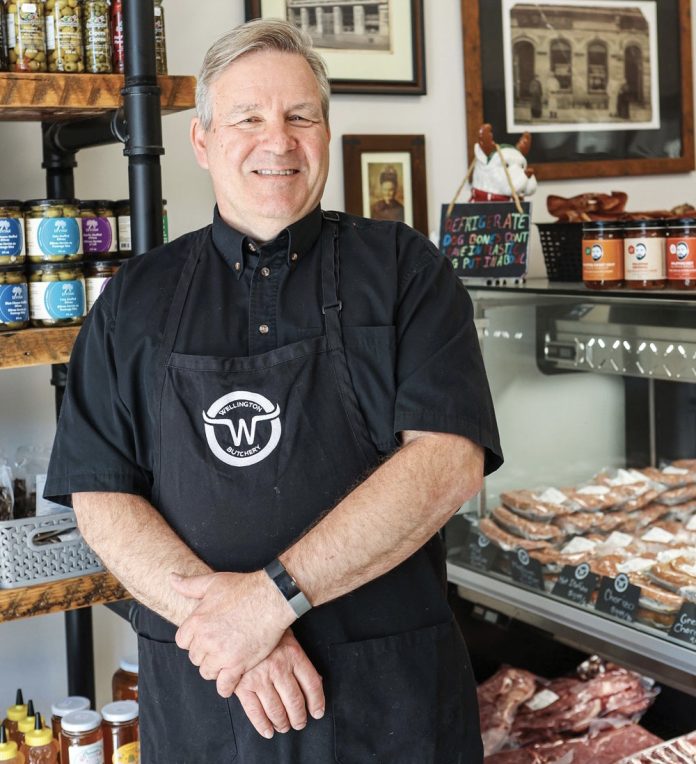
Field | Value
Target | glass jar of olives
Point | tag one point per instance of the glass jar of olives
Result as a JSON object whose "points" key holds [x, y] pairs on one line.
{"points": [[64, 36], [123, 221], [98, 273], [56, 294], [11, 232], [3, 39], [26, 39], [97, 37], [98, 229], [160, 39], [53, 230], [14, 298]]}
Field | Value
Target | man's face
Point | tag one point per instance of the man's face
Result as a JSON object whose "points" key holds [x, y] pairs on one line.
{"points": [[267, 149], [388, 190]]}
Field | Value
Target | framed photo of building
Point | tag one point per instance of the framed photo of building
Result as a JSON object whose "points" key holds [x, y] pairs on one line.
{"points": [[603, 86], [384, 178], [370, 46]]}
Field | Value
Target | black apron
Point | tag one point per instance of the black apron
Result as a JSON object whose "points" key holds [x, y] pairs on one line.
{"points": [[251, 452]]}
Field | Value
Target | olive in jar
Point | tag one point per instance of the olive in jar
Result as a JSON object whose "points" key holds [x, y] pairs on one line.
{"points": [[56, 294], [14, 298], [53, 230]]}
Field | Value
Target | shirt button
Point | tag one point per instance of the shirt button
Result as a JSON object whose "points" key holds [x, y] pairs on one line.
{"points": [[238, 266], [263, 329], [252, 246], [265, 272], [294, 257]]}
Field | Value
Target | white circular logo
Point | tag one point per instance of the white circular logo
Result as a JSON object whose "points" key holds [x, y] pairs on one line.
{"points": [[582, 571], [483, 541], [237, 428], [522, 556], [621, 583]]}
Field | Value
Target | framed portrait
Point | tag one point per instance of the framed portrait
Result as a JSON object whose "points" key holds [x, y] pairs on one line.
{"points": [[370, 46], [384, 178], [604, 87]]}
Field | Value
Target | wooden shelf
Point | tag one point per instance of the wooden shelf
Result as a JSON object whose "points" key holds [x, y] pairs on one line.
{"points": [[58, 97], [32, 347], [58, 596]]}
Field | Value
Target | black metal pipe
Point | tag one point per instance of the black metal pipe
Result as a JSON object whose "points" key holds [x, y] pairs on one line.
{"points": [[78, 635], [69, 137], [59, 166], [141, 102]]}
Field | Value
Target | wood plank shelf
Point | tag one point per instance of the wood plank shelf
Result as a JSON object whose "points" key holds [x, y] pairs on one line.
{"points": [[58, 596], [32, 347], [59, 97]]}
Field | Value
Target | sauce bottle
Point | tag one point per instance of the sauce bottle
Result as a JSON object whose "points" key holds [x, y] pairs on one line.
{"points": [[81, 738], [681, 253], [14, 715], [63, 707], [124, 683], [644, 254], [9, 753], [602, 254], [26, 725], [38, 747], [120, 726]]}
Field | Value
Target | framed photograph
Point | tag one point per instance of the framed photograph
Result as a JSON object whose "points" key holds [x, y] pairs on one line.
{"points": [[384, 178], [368, 46], [603, 86]]}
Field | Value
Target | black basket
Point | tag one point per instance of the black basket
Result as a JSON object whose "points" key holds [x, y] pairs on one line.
{"points": [[561, 244]]}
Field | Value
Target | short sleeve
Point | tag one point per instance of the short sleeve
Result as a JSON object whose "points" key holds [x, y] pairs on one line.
{"points": [[94, 447], [441, 381]]}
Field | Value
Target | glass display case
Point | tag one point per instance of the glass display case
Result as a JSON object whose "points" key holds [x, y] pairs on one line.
{"points": [[589, 528]]}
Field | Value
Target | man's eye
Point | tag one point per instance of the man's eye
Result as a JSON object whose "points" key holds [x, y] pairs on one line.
{"points": [[300, 119]]}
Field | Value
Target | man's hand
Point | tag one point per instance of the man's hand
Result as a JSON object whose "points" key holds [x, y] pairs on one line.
{"points": [[240, 618], [278, 692]]}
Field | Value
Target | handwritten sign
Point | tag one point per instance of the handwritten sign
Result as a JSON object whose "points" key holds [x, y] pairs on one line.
{"points": [[684, 627], [526, 570], [576, 583], [486, 240], [618, 597]]}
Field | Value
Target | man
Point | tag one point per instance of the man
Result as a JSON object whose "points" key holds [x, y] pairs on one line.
{"points": [[553, 87], [388, 207], [536, 96], [263, 450]]}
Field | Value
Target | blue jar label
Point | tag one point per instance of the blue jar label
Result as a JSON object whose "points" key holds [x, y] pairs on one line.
{"points": [[11, 237], [58, 236], [14, 303], [64, 299]]}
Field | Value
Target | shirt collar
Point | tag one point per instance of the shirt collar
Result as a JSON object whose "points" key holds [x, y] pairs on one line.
{"points": [[297, 240]]}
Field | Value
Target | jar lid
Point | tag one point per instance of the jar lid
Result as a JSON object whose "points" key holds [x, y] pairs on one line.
{"points": [[13, 267], [81, 721], [33, 738], [16, 713], [8, 751], [26, 724], [673, 222], [57, 202], [117, 261], [55, 265], [122, 203], [129, 663], [71, 703], [87, 203], [645, 223], [11, 203], [120, 711], [602, 225]]}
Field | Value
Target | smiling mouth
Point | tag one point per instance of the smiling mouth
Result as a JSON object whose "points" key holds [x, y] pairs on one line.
{"points": [[276, 172]]}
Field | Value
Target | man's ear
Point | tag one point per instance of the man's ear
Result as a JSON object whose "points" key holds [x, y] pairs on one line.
{"points": [[199, 141]]}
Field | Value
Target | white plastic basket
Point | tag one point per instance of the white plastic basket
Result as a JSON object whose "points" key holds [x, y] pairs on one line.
{"points": [[33, 552]]}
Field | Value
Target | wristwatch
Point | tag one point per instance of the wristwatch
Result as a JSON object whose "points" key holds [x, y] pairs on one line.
{"points": [[288, 587]]}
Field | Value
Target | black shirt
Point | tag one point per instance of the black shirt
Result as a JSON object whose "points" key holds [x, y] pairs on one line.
{"points": [[410, 340]]}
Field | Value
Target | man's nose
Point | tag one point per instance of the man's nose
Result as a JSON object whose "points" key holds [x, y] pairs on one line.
{"points": [[279, 138]]}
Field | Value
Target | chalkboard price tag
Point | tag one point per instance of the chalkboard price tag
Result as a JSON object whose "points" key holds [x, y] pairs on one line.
{"points": [[684, 626], [486, 240], [576, 583], [618, 597], [479, 552], [525, 570]]}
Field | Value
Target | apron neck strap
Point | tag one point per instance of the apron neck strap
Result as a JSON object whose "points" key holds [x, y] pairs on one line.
{"points": [[330, 277]]}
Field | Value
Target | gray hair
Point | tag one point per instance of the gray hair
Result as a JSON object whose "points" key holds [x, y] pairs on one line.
{"points": [[254, 36]]}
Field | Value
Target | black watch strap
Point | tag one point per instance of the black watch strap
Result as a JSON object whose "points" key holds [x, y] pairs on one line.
{"points": [[288, 587]]}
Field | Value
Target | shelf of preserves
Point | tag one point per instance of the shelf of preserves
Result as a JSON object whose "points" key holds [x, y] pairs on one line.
{"points": [[58, 596], [637, 646], [33, 347], [56, 97]]}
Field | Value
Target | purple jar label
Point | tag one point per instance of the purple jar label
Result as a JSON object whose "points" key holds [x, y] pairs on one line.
{"points": [[14, 303], [98, 235]]}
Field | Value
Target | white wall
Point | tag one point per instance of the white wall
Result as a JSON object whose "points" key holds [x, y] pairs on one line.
{"points": [[35, 647]]}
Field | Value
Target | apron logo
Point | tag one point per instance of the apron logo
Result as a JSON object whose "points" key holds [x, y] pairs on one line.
{"points": [[235, 418]]}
